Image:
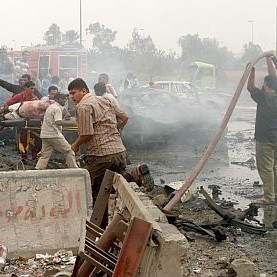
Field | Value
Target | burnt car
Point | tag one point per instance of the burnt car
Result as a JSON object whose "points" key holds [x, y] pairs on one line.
{"points": [[159, 117]]}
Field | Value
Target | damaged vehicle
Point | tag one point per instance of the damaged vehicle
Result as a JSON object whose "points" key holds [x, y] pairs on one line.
{"points": [[157, 117], [186, 90]]}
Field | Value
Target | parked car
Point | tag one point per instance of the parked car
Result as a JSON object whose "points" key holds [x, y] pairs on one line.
{"points": [[185, 90]]}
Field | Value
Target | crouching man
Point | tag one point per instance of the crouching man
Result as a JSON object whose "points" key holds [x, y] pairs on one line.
{"points": [[51, 134]]}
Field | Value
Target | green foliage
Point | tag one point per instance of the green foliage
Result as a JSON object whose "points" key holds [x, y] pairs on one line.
{"points": [[70, 37], [53, 35], [142, 57], [205, 50], [250, 51], [102, 37]]}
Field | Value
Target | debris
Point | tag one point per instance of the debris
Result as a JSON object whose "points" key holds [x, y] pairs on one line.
{"points": [[3, 255], [207, 273], [216, 232], [223, 262], [244, 268], [173, 187], [197, 270], [216, 191], [159, 200], [230, 218], [249, 163], [257, 184], [42, 265]]}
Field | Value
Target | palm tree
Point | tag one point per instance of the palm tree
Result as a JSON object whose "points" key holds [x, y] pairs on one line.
{"points": [[53, 35], [71, 36]]}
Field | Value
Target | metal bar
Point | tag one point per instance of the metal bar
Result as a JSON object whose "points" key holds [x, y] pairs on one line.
{"points": [[230, 218], [77, 265], [223, 213], [105, 242], [95, 263], [92, 233], [113, 230], [135, 242], [99, 255], [95, 227], [102, 198], [91, 244]]}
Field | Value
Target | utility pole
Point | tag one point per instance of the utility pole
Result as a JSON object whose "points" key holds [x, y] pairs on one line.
{"points": [[81, 24], [276, 32], [252, 30]]}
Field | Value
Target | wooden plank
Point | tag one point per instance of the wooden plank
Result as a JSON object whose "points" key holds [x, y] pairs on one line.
{"points": [[102, 198]]}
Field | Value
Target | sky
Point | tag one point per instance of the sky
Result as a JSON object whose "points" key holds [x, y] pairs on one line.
{"points": [[231, 22]]}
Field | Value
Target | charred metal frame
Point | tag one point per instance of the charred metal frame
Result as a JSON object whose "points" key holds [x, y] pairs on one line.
{"points": [[230, 218], [95, 255]]}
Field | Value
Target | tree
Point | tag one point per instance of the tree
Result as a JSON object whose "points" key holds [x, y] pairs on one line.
{"points": [[191, 46], [250, 51], [53, 36], [205, 50], [141, 45], [146, 59], [102, 37], [71, 37]]}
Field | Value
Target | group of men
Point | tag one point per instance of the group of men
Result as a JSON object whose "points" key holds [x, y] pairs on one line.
{"points": [[99, 119]]}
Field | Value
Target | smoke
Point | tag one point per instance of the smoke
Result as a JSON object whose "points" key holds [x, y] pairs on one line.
{"points": [[159, 116]]}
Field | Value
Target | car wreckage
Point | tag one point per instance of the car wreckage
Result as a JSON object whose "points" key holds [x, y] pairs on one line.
{"points": [[157, 117]]}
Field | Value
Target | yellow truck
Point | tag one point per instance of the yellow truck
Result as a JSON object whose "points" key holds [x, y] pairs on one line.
{"points": [[202, 76]]}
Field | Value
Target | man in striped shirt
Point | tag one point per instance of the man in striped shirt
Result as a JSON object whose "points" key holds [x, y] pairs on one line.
{"points": [[99, 123]]}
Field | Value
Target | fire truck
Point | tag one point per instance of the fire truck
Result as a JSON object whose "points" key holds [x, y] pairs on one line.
{"points": [[52, 60]]}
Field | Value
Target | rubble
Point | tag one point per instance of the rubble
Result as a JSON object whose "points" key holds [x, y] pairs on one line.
{"points": [[41, 265], [3, 255], [244, 268]]}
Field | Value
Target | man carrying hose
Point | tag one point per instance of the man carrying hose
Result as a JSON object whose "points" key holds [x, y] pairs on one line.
{"points": [[266, 130]]}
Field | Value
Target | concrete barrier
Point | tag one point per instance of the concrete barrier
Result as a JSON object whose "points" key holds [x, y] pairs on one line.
{"points": [[43, 210], [165, 253]]}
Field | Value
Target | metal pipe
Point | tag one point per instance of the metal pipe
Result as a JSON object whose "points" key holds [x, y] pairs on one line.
{"points": [[81, 34], [115, 229], [211, 147]]}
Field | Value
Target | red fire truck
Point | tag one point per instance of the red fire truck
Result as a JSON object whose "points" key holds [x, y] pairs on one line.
{"points": [[54, 61]]}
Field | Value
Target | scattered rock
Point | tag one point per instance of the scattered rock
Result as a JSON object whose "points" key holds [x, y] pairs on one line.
{"points": [[244, 268], [207, 273], [223, 262], [160, 200]]}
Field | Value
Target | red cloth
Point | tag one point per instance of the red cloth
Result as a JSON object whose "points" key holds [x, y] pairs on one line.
{"points": [[25, 95]]}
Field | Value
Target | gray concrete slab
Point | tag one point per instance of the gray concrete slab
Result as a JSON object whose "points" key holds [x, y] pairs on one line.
{"points": [[43, 210]]}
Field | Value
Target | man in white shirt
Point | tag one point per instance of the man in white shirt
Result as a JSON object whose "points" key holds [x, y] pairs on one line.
{"points": [[104, 78], [101, 90], [51, 134]]}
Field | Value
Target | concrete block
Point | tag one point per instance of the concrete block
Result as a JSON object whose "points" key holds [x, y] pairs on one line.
{"points": [[172, 252], [43, 210]]}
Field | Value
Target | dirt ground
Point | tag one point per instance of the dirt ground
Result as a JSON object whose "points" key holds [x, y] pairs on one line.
{"points": [[234, 173], [239, 182]]}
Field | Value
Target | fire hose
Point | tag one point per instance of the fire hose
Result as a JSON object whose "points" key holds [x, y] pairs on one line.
{"points": [[189, 181]]}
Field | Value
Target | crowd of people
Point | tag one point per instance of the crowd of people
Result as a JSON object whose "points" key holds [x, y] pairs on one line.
{"points": [[99, 120]]}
